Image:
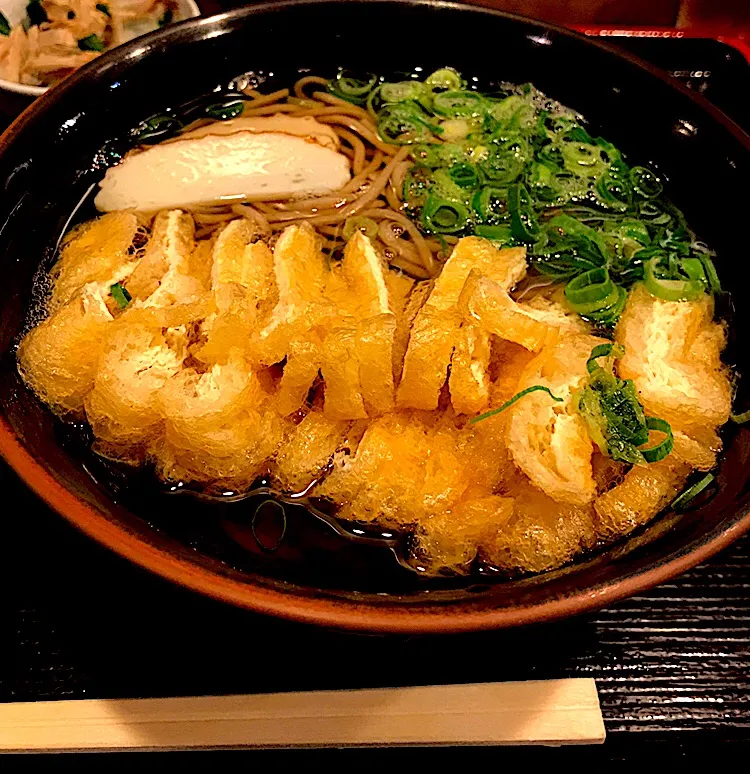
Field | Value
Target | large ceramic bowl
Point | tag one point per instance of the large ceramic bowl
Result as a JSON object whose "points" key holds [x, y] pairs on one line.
{"points": [[52, 155]]}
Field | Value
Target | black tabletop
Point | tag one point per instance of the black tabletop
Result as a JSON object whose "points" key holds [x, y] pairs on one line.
{"points": [[672, 665]]}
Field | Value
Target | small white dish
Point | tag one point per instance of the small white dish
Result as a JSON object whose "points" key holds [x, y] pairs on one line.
{"points": [[15, 13]]}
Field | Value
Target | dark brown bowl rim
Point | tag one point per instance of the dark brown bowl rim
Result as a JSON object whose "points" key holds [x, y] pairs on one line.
{"points": [[337, 613]]}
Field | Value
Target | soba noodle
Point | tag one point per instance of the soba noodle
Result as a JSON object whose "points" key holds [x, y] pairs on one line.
{"points": [[374, 192]]}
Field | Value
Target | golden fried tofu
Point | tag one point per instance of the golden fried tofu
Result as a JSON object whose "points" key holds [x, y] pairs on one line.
{"points": [[97, 251], [648, 489], [58, 358], [404, 322], [488, 304], [469, 380], [374, 352], [541, 534], [449, 540], [404, 469], [431, 340], [357, 362], [229, 264], [399, 289], [300, 272], [219, 429], [506, 267], [673, 354], [300, 372], [547, 439], [307, 451], [435, 330], [244, 291], [486, 442], [123, 407], [162, 277], [340, 369]]}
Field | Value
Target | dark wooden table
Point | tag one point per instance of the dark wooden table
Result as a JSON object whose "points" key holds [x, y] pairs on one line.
{"points": [[76, 622]]}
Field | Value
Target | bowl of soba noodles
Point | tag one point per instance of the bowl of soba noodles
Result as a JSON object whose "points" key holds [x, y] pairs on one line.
{"points": [[391, 316]]}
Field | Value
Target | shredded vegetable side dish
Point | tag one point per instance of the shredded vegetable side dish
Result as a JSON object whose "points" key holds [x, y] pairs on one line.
{"points": [[442, 312], [59, 36]]}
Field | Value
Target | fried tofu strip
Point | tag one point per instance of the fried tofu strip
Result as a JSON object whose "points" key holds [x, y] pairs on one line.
{"points": [[548, 440], [437, 331], [58, 358], [673, 354], [97, 251]]}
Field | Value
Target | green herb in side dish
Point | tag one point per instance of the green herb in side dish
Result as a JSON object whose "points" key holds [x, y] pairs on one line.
{"points": [[740, 419], [4, 25], [167, 17], [518, 168], [509, 403], [104, 8], [91, 43], [614, 416], [37, 15], [120, 295]]}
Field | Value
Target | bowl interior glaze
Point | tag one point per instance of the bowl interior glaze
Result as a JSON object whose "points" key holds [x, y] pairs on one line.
{"points": [[52, 156]]}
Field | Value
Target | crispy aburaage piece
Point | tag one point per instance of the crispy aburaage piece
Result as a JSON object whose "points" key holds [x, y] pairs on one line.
{"points": [[672, 353], [207, 371], [438, 331]]}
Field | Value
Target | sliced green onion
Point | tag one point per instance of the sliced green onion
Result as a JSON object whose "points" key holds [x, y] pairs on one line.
{"points": [[440, 216], [446, 79], [501, 234], [351, 87], [403, 123], [712, 276], [91, 43], [359, 223], [270, 506], [682, 500], [740, 419], [120, 295], [4, 25], [603, 350], [455, 129], [401, 91], [464, 175], [516, 397], [459, 104], [225, 111], [670, 289], [490, 204], [645, 182], [664, 447], [590, 287], [522, 221], [502, 165]]}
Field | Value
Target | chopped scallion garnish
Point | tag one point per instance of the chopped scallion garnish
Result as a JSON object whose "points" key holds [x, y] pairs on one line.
{"points": [[517, 168], [516, 397], [120, 295], [684, 499]]}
